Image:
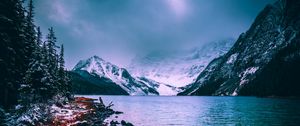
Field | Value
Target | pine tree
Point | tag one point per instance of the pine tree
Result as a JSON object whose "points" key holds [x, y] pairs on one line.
{"points": [[52, 61], [64, 77], [37, 79], [61, 60], [44, 53], [48, 79], [61, 70], [30, 34], [30, 52], [68, 89], [12, 52], [30, 69], [52, 55], [39, 37]]}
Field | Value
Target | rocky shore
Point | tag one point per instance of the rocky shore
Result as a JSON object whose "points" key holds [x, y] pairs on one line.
{"points": [[85, 112]]}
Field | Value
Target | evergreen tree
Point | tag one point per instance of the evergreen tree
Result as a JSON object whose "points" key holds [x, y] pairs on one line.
{"points": [[28, 66], [52, 55], [48, 83], [68, 89], [12, 50], [30, 33], [52, 61], [64, 78], [39, 37], [31, 52], [61, 70], [44, 53], [61, 60], [37, 79]]}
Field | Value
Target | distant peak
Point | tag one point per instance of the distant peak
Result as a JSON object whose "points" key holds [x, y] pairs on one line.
{"points": [[96, 57], [85, 63]]}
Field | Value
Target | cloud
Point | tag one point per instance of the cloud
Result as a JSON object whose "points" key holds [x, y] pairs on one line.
{"points": [[115, 29], [179, 7], [60, 13]]}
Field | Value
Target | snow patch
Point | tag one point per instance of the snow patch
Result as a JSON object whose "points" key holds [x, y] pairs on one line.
{"points": [[235, 92], [247, 72], [65, 113], [232, 58], [166, 90]]}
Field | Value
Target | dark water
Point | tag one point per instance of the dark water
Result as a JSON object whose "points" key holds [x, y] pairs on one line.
{"points": [[194, 111]]}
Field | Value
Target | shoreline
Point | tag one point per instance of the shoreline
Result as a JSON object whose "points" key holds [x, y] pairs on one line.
{"points": [[85, 111]]}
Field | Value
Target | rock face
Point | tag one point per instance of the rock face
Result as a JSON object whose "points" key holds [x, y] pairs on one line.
{"points": [[178, 68], [264, 61]]}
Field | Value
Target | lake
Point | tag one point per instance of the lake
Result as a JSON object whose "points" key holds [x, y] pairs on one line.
{"points": [[199, 110]]}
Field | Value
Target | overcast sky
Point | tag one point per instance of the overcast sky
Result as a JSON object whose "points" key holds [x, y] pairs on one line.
{"points": [[116, 30]]}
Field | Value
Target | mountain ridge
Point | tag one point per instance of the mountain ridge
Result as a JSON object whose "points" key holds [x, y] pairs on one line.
{"points": [[103, 70], [275, 29]]}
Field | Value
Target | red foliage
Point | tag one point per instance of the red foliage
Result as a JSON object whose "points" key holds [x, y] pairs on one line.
{"points": [[80, 107]]}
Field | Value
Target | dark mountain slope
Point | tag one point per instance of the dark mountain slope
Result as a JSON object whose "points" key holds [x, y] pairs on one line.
{"points": [[268, 49], [280, 77], [87, 84]]}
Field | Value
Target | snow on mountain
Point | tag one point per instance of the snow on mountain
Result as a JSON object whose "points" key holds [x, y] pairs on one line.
{"points": [[121, 77], [178, 68], [103, 69], [163, 89]]}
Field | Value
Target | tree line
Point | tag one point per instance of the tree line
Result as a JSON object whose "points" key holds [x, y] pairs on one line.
{"points": [[32, 70]]}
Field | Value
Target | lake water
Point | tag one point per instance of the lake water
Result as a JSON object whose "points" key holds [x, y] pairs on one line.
{"points": [[198, 111]]}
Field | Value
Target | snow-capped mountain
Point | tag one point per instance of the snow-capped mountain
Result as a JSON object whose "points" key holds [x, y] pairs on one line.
{"points": [[262, 61], [120, 76], [178, 68]]}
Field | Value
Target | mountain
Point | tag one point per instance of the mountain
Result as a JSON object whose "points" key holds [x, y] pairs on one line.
{"points": [[178, 68], [105, 71], [264, 61], [105, 74]]}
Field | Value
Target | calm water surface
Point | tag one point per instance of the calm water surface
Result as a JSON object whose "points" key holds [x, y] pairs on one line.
{"points": [[198, 111]]}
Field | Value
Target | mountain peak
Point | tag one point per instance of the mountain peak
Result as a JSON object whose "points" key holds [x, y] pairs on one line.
{"points": [[96, 57], [82, 64], [97, 65]]}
